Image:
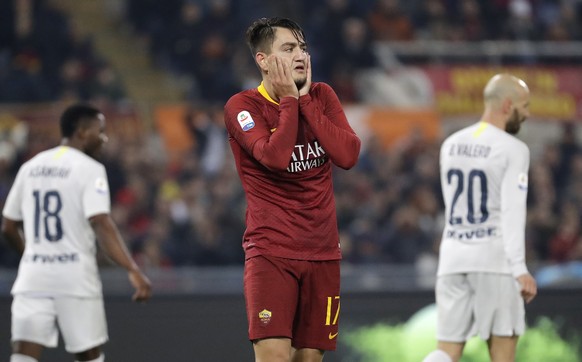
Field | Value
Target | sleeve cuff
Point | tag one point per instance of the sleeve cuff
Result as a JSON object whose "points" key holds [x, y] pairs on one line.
{"points": [[304, 99], [519, 270], [288, 99]]}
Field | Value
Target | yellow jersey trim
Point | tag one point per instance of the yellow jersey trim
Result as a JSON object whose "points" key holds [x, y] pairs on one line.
{"points": [[62, 150], [482, 126], [264, 93]]}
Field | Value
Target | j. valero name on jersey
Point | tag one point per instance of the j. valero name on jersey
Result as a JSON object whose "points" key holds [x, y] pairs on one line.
{"points": [[470, 150], [51, 258], [471, 234]]}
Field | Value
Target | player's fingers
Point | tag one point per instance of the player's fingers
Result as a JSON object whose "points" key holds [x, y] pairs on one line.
{"points": [[529, 291], [272, 66], [281, 69], [142, 294]]}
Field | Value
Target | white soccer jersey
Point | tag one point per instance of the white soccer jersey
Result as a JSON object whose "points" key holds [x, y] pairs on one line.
{"points": [[54, 194], [484, 183]]}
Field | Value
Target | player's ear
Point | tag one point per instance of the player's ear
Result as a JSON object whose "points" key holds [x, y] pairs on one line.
{"points": [[261, 59], [507, 105], [82, 130]]}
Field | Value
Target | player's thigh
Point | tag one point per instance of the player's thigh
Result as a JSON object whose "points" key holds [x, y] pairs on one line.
{"points": [[271, 294], [82, 322], [34, 320], [454, 299], [318, 313], [499, 307]]}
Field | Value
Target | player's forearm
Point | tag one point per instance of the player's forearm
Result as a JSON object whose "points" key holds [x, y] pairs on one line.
{"points": [[111, 242], [12, 233], [275, 151], [339, 141], [513, 231], [514, 209]]}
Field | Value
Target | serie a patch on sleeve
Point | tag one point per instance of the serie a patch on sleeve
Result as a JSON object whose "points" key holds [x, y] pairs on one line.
{"points": [[101, 185], [522, 181], [245, 120]]}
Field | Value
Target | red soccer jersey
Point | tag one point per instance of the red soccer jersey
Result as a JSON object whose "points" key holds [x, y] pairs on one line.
{"points": [[283, 154]]}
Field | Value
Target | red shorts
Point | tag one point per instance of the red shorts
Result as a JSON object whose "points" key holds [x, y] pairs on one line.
{"points": [[297, 299]]}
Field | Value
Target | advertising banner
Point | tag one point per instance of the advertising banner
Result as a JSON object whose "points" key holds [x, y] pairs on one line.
{"points": [[556, 92]]}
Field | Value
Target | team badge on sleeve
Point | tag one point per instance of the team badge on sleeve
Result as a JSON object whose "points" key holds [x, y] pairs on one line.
{"points": [[265, 316], [245, 120], [101, 185], [522, 181]]}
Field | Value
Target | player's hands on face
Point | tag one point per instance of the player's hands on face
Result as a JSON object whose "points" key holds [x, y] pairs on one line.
{"points": [[307, 86], [142, 285], [279, 73], [529, 287]]}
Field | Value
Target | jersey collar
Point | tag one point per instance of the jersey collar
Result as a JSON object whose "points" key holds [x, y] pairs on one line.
{"points": [[264, 93], [482, 126]]}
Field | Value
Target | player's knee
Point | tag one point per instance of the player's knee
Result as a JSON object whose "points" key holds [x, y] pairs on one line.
{"points": [[101, 358], [17, 357], [438, 356]]}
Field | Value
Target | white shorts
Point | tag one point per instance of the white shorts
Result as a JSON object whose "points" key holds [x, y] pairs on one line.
{"points": [[482, 304], [38, 319]]}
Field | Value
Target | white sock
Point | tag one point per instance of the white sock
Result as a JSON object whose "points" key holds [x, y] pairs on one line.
{"points": [[437, 356], [17, 357], [101, 358]]}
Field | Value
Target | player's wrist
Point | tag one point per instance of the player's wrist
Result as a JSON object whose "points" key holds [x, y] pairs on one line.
{"points": [[290, 96], [133, 268], [518, 270]]}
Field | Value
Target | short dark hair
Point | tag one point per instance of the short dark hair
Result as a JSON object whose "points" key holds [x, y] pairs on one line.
{"points": [[260, 35], [74, 115]]}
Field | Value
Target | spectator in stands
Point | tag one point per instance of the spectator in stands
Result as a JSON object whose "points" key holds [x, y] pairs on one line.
{"points": [[520, 24], [471, 24], [327, 24], [183, 40], [45, 58], [566, 244], [106, 85], [543, 205], [389, 22], [430, 21], [402, 240], [214, 79], [207, 129]]}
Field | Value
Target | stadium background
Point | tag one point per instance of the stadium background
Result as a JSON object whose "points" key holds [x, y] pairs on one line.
{"points": [[408, 73]]}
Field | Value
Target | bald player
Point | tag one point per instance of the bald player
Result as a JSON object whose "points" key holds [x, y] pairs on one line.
{"points": [[483, 280]]}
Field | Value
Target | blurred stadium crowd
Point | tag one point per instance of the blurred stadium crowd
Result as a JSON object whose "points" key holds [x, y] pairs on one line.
{"points": [[191, 212], [202, 40]]}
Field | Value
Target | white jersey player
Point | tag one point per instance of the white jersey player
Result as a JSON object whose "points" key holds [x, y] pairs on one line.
{"points": [[56, 192], [483, 279], [484, 183], [60, 198]]}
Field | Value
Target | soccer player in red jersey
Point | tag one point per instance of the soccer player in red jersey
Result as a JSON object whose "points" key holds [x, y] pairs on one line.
{"points": [[285, 135]]}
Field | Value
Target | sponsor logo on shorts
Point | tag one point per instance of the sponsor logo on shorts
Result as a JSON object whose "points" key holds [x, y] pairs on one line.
{"points": [[333, 335], [265, 316], [245, 120]]}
